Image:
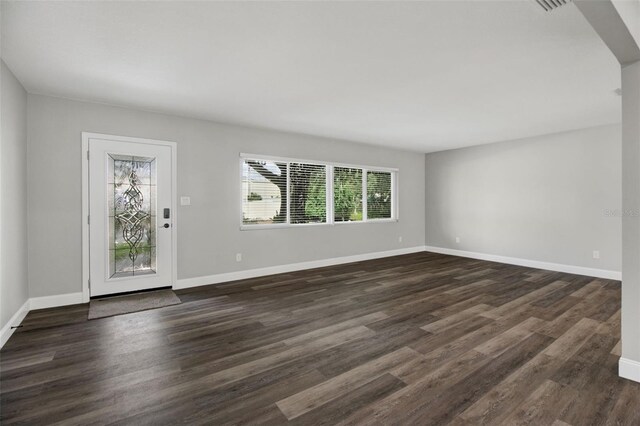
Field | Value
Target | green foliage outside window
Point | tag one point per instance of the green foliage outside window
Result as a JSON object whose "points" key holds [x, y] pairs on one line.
{"points": [[347, 194], [315, 206]]}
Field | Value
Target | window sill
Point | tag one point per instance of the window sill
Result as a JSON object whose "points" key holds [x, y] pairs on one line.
{"points": [[366, 221], [307, 225]]}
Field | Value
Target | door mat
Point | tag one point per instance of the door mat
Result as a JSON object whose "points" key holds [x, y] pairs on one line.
{"points": [[128, 303]]}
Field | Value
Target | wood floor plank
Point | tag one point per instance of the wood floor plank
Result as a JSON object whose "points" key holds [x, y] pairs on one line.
{"points": [[429, 385], [570, 342], [459, 396], [311, 398], [598, 399], [339, 408], [27, 361], [499, 402], [526, 298], [451, 320], [497, 345], [625, 411], [544, 404]]}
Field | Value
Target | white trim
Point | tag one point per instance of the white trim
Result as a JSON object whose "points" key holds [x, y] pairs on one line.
{"points": [[37, 303], [261, 157], [328, 190], [365, 190], [132, 139], [15, 321], [86, 136], [381, 220], [280, 269], [240, 212], [288, 183], [174, 208], [558, 267], [395, 199], [85, 217], [629, 369], [45, 302], [311, 224], [281, 225]]}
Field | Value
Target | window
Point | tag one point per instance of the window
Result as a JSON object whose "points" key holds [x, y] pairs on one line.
{"points": [[378, 195], [264, 192], [308, 192], [282, 192], [347, 194]]}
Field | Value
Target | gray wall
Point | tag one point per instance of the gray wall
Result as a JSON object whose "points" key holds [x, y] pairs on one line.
{"points": [[541, 198], [14, 287], [208, 171]]}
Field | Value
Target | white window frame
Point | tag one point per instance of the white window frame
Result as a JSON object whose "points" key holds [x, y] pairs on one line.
{"points": [[329, 192]]}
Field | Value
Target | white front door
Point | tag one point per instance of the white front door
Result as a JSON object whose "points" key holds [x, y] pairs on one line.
{"points": [[130, 215]]}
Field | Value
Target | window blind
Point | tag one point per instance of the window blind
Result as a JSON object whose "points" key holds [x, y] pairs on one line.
{"points": [[378, 195], [307, 193]]}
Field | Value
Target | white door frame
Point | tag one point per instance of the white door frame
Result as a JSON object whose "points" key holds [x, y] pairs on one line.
{"points": [[86, 136]]}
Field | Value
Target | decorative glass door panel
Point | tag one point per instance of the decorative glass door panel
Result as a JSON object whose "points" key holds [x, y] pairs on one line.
{"points": [[131, 230], [132, 215]]}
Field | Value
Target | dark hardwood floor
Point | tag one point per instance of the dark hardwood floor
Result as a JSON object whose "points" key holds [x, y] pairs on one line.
{"points": [[416, 339]]}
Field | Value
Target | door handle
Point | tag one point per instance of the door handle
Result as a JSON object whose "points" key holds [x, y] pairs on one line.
{"points": [[166, 225]]}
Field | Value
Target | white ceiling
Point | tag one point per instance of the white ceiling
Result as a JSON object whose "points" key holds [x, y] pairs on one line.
{"points": [[424, 76]]}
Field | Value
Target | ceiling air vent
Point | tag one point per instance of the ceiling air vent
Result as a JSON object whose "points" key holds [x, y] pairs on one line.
{"points": [[549, 5]]}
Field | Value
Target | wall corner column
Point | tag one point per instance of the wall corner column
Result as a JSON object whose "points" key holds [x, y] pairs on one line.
{"points": [[616, 23], [629, 364]]}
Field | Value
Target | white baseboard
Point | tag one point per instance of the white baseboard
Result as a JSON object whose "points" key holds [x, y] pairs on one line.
{"points": [[33, 304], [558, 267], [15, 321], [629, 369], [55, 301], [281, 269]]}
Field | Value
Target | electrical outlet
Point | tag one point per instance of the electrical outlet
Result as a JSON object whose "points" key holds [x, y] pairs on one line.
{"points": [[596, 254], [238, 257], [399, 239], [185, 201], [457, 239]]}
